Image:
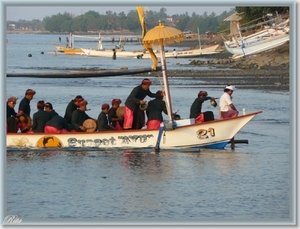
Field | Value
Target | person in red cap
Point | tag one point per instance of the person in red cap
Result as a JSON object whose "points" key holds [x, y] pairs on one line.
{"points": [[114, 120], [134, 118], [196, 108], [227, 109], [40, 118], [79, 116], [12, 119], [24, 110], [154, 112], [72, 106], [102, 120]]}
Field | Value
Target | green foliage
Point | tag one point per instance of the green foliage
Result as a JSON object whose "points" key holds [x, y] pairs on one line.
{"points": [[93, 21], [252, 13]]}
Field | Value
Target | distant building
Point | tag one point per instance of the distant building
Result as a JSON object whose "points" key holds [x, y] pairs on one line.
{"points": [[11, 27], [234, 20]]}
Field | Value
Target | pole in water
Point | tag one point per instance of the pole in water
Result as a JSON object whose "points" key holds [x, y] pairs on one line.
{"points": [[160, 131]]}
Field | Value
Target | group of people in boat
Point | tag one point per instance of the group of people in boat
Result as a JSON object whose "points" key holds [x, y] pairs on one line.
{"points": [[112, 117]]}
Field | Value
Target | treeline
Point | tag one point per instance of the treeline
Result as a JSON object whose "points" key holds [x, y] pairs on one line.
{"points": [[93, 21]]}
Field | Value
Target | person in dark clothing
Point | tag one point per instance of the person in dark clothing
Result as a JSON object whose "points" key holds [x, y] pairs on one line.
{"points": [[195, 110], [24, 110], [102, 121], [49, 109], [114, 120], [134, 118], [40, 118], [154, 112], [114, 54], [56, 125], [24, 106], [79, 116], [12, 119], [72, 106]]}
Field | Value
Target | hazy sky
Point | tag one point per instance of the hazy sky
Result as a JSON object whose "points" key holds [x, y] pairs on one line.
{"points": [[14, 13]]}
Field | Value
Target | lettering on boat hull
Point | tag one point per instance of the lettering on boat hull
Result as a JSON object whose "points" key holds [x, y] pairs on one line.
{"points": [[112, 141]]}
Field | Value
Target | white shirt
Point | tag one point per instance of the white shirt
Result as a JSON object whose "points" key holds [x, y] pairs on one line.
{"points": [[225, 101]]}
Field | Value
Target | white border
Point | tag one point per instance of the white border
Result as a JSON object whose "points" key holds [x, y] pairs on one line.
{"points": [[294, 83]]}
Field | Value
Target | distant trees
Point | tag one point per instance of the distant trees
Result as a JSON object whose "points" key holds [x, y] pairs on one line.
{"points": [[93, 21]]}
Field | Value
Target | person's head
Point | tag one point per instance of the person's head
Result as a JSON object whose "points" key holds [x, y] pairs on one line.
{"points": [[146, 84], [105, 108], [12, 101], [82, 105], [229, 89], [202, 94], [29, 94], [78, 99], [48, 107], [115, 103], [40, 105], [161, 93]]}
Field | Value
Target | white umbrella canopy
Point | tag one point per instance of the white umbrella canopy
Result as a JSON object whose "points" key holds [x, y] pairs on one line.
{"points": [[160, 36]]}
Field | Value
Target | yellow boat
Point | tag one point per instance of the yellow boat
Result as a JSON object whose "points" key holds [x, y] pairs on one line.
{"points": [[67, 50]]}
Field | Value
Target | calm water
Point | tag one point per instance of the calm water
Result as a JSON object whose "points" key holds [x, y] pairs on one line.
{"points": [[252, 184]]}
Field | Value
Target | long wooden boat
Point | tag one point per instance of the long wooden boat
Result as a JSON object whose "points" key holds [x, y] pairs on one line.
{"points": [[188, 53], [183, 135], [109, 53], [84, 74]]}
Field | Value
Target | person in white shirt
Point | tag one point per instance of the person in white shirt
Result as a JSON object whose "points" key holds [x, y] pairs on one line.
{"points": [[227, 109]]}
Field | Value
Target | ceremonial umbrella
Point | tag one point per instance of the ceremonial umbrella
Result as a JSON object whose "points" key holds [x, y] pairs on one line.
{"points": [[160, 36]]}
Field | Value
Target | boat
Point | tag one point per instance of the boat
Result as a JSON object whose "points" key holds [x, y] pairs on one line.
{"points": [[68, 50], [185, 135], [109, 53], [257, 47], [173, 134], [188, 53]]}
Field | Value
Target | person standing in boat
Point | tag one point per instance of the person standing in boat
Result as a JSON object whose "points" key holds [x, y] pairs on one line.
{"points": [[227, 108], [134, 117], [40, 118], [72, 106], [154, 111], [196, 108], [114, 120], [175, 53], [12, 120], [102, 120], [24, 110], [79, 116], [114, 54]]}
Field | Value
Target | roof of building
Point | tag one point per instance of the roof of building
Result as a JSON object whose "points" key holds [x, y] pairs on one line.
{"points": [[234, 17]]}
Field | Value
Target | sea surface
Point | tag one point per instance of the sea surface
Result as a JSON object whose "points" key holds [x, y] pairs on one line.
{"points": [[252, 184]]}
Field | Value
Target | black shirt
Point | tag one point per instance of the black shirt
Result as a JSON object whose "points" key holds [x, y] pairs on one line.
{"points": [[196, 107], [155, 109]]}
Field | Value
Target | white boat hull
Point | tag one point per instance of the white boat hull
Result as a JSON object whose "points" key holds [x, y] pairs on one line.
{"points": [[213, 134], [109, 53], [259, 46]]}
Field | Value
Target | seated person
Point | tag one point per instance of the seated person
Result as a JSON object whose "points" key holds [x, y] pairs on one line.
{"points": [[56, 125], [40, 118], [102, 121], [195, 110], [114, 120], [79, 116]]}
